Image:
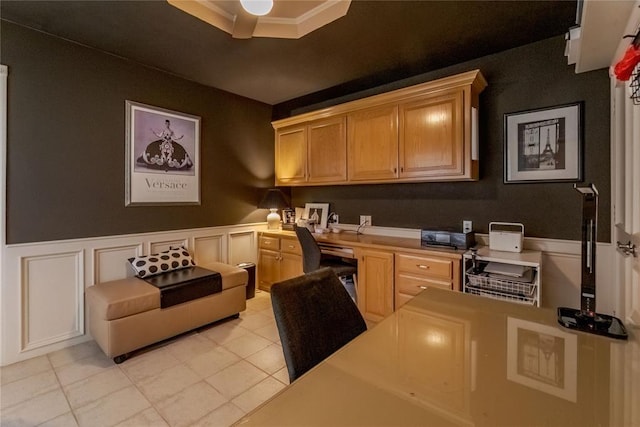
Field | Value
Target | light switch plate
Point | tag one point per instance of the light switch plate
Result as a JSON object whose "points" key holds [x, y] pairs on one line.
{"points": [[467, 226]]}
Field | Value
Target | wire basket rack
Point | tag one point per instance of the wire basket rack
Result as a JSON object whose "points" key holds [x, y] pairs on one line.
{"points": [[485, 285], [634, 85]]}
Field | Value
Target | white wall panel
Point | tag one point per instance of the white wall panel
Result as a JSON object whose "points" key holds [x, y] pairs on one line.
{"points": [[208, 248], [242, 247], [108, 263], [52, 299], [165, 245]]}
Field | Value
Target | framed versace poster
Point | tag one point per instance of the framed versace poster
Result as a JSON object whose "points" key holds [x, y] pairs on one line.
{"points": [[162, 156]]}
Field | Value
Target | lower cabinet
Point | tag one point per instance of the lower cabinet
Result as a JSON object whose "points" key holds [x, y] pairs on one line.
{"points": [[279, 258], [413, 273], [375, 284]]}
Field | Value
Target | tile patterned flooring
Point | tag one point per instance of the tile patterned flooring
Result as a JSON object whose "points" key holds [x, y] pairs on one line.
{"points": [[210, 377]]}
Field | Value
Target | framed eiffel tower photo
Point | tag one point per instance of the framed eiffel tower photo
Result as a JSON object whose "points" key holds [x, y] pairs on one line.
{"points": [[544, 145]]}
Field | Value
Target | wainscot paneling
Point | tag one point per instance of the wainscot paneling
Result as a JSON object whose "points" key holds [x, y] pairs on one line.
{"points": [[242, 247], [43, 283], [108, 265], [155, 247], [51, 302], [561, 269], [208, 248]]}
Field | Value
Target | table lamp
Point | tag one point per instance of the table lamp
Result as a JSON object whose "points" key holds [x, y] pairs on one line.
{"points": [[586, 319], [273, 200]]}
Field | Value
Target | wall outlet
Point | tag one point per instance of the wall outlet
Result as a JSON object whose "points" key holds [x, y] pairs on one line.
{"points": [[467, 226], [365, 220]]}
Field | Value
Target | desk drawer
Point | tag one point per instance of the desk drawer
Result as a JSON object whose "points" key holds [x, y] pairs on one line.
{"points": [[290, 246], [267, 242], [413, 285], [425, 266]]}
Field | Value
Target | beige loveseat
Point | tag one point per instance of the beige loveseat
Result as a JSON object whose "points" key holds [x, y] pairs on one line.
{"points": [[125, 315]]}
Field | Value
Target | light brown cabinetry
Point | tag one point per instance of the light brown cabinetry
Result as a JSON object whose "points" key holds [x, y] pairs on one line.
{"points": [[373, 144], [431, 134], [327, 150], [375, 283], [279, 258], [291, 155], [313, 153], [414, 272], [420, 133]]}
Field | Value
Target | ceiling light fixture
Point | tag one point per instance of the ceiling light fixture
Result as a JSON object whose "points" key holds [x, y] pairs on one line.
{"points": [[257, 7]]}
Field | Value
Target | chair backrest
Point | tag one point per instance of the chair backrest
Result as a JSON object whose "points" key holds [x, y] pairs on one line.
{"points": [[315, 317], [311, 254]]}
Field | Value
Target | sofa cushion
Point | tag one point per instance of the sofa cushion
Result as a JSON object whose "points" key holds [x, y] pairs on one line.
{"points": [[125, 297], [173, 259], [185, 284], [231, 276], [121, 298]]}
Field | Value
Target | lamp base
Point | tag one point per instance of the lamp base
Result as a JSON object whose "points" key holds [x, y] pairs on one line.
{"points": [[599, 324], [273, 220]]}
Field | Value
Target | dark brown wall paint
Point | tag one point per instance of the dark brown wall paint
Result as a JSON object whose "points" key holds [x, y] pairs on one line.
{"points": [[533, 76], [66, 143]]}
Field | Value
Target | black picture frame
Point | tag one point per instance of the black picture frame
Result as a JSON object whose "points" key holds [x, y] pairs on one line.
{"points": [[544, 145]]}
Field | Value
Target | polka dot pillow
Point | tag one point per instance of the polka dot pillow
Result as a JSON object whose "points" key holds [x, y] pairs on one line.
{"points": [[173, 259]]}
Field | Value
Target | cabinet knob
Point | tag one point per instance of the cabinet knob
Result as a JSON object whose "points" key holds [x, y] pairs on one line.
{"points": [[422, 266], [291, 246], [422, 287]]}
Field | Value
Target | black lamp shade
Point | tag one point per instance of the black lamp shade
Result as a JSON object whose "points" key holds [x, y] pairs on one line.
{"points": [[273, 199]]}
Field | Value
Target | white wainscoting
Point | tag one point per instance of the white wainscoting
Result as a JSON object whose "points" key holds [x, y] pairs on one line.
{"points": [[561, 273], [43, 283]]}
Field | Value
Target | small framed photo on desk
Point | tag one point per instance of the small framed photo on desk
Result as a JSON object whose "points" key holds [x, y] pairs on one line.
{"points": [[318, 213], [288, 219]]}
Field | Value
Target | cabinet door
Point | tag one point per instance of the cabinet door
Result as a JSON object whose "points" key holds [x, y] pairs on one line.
{"points": [[327, 145], [291, 155], [432, 136], [290, 266], [375, 284], [269, 268], [372, 143]]}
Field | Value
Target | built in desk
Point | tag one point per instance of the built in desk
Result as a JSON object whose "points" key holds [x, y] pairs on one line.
{"points": [[391, 270], [449, 358]]}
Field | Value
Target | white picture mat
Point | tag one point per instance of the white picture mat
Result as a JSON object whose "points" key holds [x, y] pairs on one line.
{"points": [[158, 187], [568, 390], [573, 166], [322, 211]]}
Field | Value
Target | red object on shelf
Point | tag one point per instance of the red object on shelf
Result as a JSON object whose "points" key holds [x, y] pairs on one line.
{"points": [[625, 66]]}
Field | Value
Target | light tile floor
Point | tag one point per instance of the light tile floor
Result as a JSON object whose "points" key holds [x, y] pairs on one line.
{"points": [[210, 377]]}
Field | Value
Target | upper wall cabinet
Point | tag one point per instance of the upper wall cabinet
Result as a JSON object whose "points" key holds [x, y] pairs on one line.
{"points": [[432, 136], [312, 153], [425, 132], [372, 144], [291, 155]]}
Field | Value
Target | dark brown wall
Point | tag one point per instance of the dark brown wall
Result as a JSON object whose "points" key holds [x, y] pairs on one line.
{"points": [[66, 143], [533, 76]]}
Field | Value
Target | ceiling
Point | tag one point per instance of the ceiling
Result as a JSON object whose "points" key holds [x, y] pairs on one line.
{"points": [[374, 40]]}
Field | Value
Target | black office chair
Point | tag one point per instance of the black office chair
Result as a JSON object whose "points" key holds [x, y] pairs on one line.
{"points": [[312, 260], [315, 317]]}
